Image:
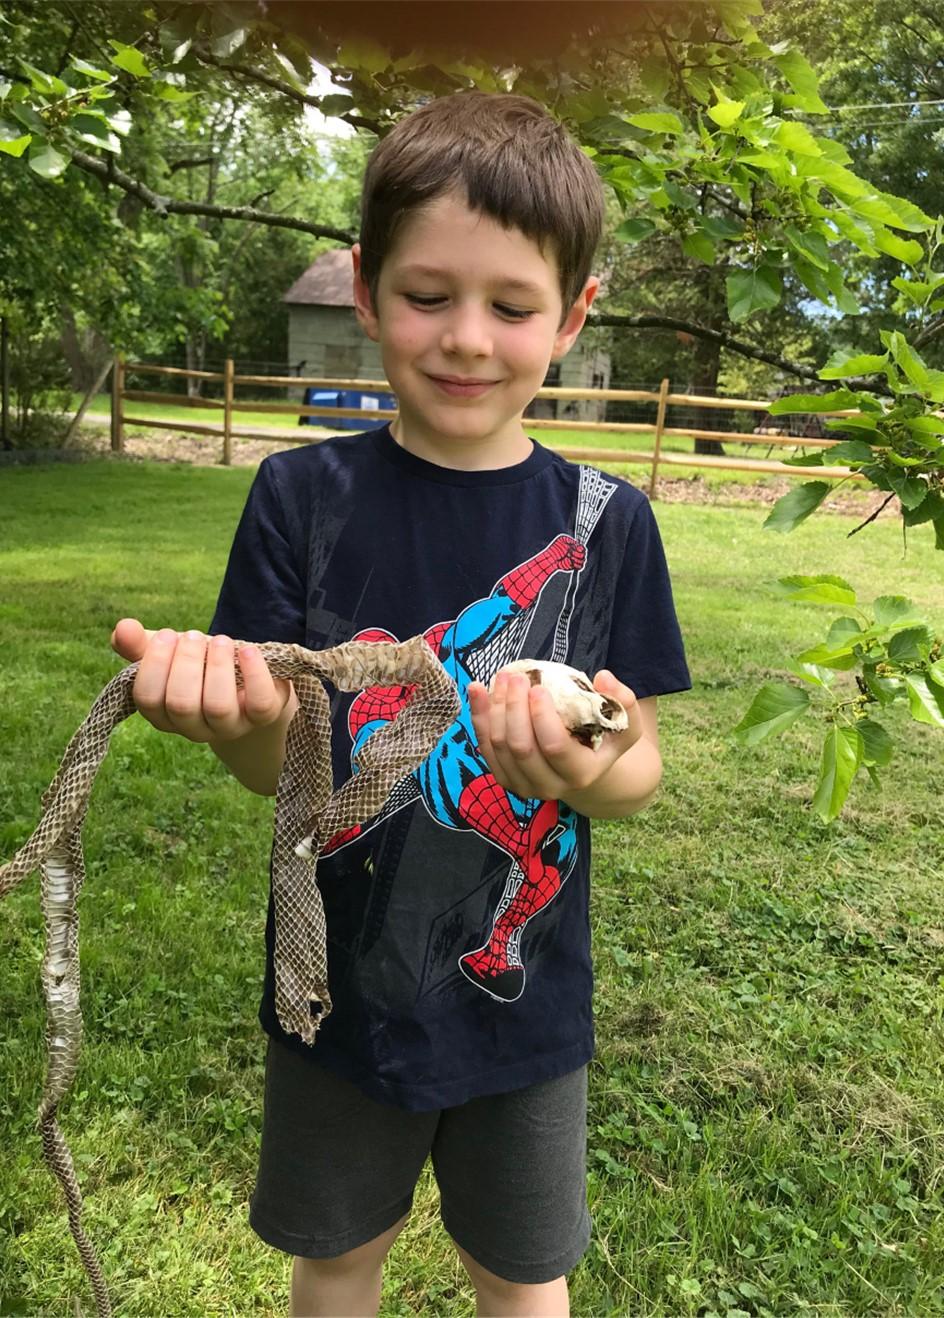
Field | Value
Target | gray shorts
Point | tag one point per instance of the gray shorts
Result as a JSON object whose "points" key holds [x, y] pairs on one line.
{"points": [[336, 1169]]}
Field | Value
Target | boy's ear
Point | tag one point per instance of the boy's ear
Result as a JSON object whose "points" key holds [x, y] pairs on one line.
{"points": [[573, 322], [363, 302]]}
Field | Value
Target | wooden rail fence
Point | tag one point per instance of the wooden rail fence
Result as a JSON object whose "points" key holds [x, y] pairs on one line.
{"points": [[655, 459]]}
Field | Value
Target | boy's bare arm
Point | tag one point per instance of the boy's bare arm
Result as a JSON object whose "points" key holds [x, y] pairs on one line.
{"points": [[532, 754], [186, 684]]}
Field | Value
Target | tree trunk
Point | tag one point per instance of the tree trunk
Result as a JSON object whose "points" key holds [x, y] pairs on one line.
{"points": [[86, 351], [4, 385], [89, 395], [706, 357]]}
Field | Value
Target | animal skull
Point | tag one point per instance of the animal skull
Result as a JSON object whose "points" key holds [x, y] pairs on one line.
{"points": [[584, 711]]}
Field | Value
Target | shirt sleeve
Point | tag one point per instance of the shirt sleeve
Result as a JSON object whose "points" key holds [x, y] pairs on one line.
{"points": [[263, 594], [646, 650]]}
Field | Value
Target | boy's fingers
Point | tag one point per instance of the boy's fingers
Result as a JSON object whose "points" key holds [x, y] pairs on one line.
{"points": [[130, 639], [221, 709], [150, 684], [183, 697], [262, 703]]}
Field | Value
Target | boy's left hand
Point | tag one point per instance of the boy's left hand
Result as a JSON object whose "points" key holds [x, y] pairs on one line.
{"points": [[527, 747]]}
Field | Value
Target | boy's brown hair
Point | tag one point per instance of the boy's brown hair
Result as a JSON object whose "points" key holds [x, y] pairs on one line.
{"points": [[515, 163]]}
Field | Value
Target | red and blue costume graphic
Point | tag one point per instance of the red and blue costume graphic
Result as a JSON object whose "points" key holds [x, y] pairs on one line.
{"points": [[456, 785]]}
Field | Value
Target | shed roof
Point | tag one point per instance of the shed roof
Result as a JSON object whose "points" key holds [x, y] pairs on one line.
{"points": [[326, 283]]}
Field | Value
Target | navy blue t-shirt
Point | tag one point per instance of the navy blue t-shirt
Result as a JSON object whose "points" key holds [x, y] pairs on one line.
{"points": [[458, 919]]}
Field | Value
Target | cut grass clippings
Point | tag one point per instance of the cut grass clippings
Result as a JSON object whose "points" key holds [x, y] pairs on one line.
{"points": [[766, 1124]]}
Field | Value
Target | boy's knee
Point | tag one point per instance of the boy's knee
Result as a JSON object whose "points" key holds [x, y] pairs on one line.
{"points": [[499, 1297], [362, 1259]]}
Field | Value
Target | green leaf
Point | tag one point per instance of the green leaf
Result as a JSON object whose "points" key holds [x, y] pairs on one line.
{"points": [[912, 645], [90, 71], [47, 83], [796, 137], [165, 91], [46, 160], [129, 58], [120, 121], [877, 745], [902, 249], [890, 609], [911, 491], [699, 246], [850, 450], [925, 425], [719, 228], [886, 208], [800, 75], [752, 290], [836, 401], [93, 130], [862, 427], [843, 364], [815, 459], [336, 104], [229, 42], [811, 673], [11, 145], [843, 631], [925, 699], [840, 656], [886, 690], [363, 53], [809, 243], [775, 706], [657, 122], [843, 751], [817, 590], [634, 230], [726, 113], [929, 509], [914, 366], [794, 508]]}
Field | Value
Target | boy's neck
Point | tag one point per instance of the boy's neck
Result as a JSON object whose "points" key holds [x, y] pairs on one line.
{"points": [[490, 453]]}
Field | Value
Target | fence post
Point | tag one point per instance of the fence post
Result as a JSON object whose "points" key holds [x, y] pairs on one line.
{"points": [[660, 426], [117, 389], [228, 412]]}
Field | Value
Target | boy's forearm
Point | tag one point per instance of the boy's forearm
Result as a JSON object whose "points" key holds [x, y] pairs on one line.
{"points": [[626, 788], [256, 759]]}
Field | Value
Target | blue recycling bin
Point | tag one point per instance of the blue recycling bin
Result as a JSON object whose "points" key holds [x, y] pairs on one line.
{"points": [[329, 398]]}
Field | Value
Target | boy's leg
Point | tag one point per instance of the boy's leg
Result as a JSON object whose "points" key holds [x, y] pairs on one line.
{"points": [[512, 1175], [497, 1298], [344, 1287], [336, 1169]]}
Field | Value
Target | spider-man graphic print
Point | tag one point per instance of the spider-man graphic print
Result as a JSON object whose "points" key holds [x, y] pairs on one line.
{"points": [[459, 790], [458, 919]]}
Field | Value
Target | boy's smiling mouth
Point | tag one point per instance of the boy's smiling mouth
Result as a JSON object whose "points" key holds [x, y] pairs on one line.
{"points": [[461, 387]]}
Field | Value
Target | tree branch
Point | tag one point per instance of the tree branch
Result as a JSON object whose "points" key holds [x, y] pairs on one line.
{"points": [[109, 173], [286, 88], [190, 164], [702, 332]]}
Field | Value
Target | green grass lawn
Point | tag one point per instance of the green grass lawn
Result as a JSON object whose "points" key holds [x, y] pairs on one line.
{"points": [[559, 437], [767, 1099]]}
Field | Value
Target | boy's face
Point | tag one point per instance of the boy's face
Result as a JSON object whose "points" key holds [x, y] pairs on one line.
{"points": [[468, 318]]}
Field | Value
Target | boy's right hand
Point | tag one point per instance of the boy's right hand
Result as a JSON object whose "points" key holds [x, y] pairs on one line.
{"points": [[186, 683]]}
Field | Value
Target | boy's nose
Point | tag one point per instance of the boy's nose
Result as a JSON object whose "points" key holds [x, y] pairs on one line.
{"points": [[467, 334]]}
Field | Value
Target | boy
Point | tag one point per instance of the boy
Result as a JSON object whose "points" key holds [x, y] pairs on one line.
{"points": [[458, 926]]}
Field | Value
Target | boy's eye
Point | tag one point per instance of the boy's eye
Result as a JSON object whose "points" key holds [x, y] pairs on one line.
{"points": [[434, 300], [515, 313]]}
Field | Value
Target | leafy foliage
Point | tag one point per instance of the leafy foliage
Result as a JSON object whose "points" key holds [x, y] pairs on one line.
{"points": [[895, 657]]}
